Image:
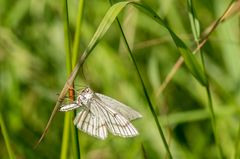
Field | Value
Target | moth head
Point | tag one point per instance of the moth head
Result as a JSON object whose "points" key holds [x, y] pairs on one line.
{"points": [[85, 96]]}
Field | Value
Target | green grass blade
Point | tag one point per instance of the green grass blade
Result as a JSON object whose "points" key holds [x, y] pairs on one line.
{"points": [[76, 42], [106, 23], [144, 152], [6, 138], [65, 137], [195, 30], [77, 33], [75, 138], [145, 93], [147, 96], [67, 38], [236, 151], [191, 62], [195, 26], [67, 117]]}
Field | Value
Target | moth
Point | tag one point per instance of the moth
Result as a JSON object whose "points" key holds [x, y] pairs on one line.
{"points": [[99, 114]]}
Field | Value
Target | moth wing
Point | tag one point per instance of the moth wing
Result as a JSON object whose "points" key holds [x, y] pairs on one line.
{"points": [[68, 104], [119, 107], [90, 123], [115, 122], [69, 107]]}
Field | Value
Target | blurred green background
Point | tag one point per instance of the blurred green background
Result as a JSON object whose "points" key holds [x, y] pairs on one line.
{"points": [[33, 72]]}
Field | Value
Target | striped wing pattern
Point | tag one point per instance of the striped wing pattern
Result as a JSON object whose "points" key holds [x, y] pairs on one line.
{"points": [[91, 124], [115, 122], [119, 107], [99, 116]]}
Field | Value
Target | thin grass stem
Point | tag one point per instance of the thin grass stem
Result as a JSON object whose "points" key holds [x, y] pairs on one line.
{"points": [[195, 30], [6, 138], [76, 42], [145, 90], [67, 118], [236, 153], [77, 35]]}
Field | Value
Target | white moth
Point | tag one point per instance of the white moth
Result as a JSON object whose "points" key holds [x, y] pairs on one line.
{"points": [[100, 114]]}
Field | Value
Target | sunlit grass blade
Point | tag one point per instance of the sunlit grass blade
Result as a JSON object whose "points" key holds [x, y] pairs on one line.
{"points": [[6, 138], [77, 35], [65, 137], [67, 118], [75, 51]]}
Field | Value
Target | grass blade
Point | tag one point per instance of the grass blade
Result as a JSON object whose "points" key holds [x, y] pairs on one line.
{"points": [[77, 33], [145, 92], [195, 30], [193, 21], [147, 97], [191, 62], [236, 151], [65, 137], [231, 10], [75, 137], [6, 138], [67, 117]]}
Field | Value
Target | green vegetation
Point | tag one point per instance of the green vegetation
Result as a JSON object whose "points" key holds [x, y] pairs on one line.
{"points": [[133, 52]]}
